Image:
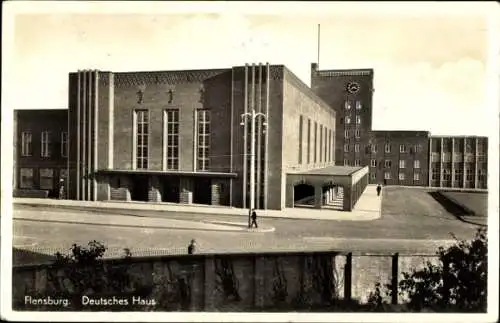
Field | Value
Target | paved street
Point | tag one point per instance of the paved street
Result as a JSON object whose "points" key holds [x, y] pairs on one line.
{"points": [[420, 231]]}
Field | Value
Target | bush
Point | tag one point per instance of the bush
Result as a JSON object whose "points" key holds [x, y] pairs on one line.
{"points": [[457, 284]]}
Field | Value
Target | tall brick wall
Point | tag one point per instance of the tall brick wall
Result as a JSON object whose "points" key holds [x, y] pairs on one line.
{"points": [[257, 281], [298, 102]]}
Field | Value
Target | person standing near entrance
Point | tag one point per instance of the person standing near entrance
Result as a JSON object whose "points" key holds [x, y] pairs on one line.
{"points": [[254, 219], [61, 189], [192, 247], [379, 189]]}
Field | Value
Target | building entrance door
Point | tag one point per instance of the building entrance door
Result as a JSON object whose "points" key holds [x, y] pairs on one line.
{"points": [[202, 191], [170, 189], [140, 188]]}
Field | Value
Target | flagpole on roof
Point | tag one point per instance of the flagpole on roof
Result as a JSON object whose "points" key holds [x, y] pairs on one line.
{"points": [[319, 41]]}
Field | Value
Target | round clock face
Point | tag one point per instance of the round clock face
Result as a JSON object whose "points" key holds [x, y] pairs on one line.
{"points": [[353, 87]]}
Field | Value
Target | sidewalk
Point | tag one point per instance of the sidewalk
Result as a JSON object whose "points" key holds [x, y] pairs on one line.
{"points": [[367, 208], [135, 221]]}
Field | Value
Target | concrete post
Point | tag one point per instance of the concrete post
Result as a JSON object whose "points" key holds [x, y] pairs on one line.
{"points": [[318, 196], [289, 199], [347, 198]]}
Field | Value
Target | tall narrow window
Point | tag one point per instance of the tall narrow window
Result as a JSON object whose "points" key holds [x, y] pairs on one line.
{"points": [[320, 143], [64, 144], [347, 120], [330, 155], [374, 148], [373, 163], [301, 120], [142, 138], [347, 105], [356, 148], [357, 133], [416, 176], [26, 140], [45, 144], [402, 148], [203, 140], [357, 162], [346, 148], [402, 163], [308, 141], [346, 133], [358, 105], [325, 145], [171, 139], [358, 119], [315, 142], [387, 148], [416, 164]]}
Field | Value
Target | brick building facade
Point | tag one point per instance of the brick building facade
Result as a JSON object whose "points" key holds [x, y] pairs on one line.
{"points": [[458, 162], [399, 157], [180, 136], [395, 157], [40, 151]]}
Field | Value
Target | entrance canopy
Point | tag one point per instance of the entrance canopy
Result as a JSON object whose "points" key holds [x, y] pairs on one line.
{"points": [[338, 175], [325, 181], [168, 173]]}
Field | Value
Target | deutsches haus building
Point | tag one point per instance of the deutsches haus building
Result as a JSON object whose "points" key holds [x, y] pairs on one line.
{"points": [[185, 137]]}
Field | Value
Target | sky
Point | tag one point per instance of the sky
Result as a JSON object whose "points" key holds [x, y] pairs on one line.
{"points": [[430, 66]]}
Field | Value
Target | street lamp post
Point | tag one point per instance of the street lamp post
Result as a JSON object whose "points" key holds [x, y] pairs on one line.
{"points": [[253, 116]]}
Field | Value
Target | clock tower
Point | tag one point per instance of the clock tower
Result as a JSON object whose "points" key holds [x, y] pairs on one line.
{"points": [[350, 93]]}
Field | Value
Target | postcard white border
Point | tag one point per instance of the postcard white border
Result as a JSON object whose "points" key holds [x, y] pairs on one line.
{"points": [[491, 10]]}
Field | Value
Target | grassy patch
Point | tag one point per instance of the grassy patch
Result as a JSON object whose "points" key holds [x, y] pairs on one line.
{"points": [[473, 203]]}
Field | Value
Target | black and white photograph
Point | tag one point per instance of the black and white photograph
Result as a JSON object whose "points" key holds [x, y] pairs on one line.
{"points": [[250, 161]]}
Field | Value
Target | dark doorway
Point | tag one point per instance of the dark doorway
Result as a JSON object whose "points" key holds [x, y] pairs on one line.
{"points": [[170, 189], [140, 188], [202, 191], [303, 194]]}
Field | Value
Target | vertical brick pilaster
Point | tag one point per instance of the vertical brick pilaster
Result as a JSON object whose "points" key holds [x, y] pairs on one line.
{"points": [[476, 163], [347, 198], [464, 162], [441, 157], [452, 162]]}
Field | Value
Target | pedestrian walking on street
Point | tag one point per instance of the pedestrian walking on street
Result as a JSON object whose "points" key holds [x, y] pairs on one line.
{"points": [[254, 219], [192, 247], [379, 189]]}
